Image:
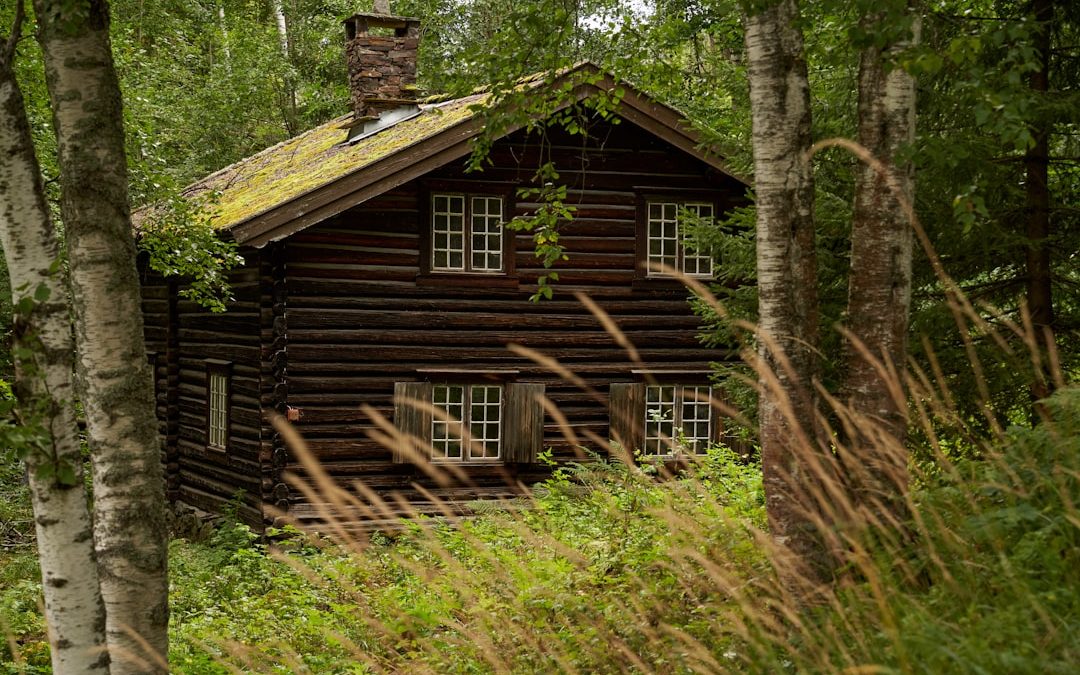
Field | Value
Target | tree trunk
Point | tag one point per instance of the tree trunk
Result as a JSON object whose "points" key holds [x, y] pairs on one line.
{"points": [[787, 278], [289, 109], [879, 283], [43, 362], [1037, 228], [129, 508]]}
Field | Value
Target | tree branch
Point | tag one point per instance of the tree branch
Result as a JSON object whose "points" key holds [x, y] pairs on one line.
{"points": [[16, 32]]}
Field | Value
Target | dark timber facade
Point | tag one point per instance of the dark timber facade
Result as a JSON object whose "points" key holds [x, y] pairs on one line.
{"points": [[354, 302]]}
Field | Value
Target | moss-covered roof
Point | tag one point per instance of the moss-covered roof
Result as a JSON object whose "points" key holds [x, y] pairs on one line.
{"points": [[303, 180], [313, 159]]}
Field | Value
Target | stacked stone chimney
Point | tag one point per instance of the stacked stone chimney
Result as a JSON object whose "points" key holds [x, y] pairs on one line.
{"points": [[381, 53]]}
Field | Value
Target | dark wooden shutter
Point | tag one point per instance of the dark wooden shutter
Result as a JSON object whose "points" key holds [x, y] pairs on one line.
{"points": [[718, 423], [626, 414], [523, 430], [412, 417]]}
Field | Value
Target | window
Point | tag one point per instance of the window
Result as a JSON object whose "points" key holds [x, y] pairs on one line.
{"points": [[466, 233], [460, 407], [469, 421], [217, 404], [663, 418], [677, 417], [666, 238]]}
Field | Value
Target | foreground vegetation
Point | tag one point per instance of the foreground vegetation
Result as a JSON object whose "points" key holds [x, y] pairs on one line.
{"points": [[610, 570]]}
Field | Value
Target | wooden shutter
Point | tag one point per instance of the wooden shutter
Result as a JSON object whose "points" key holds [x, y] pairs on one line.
{"points": [[523, 425], [626, 414], [718, 421], [412, 417]]}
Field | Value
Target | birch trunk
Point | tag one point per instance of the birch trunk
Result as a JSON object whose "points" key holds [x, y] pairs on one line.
{"points": [[787, 277], [43, 362], [879, 284], [129, 509]]}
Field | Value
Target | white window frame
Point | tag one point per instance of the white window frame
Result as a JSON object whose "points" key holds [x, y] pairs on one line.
{"points": [[470, 429], [218, 404], [678, 418], [665, 238], [472, 233]]}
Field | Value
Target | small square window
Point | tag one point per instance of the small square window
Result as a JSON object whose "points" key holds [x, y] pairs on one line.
{"points": [[667, 236], [466, 233], [467, 424], [677, 418]]}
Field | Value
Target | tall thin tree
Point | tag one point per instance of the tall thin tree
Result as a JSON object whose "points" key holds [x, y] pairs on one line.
{"points": [[129, 507], [43, 350], [786, 273], [879, 282]]}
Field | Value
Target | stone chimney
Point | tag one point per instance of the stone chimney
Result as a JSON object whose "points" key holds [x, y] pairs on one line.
{"points": [[380, 49]]}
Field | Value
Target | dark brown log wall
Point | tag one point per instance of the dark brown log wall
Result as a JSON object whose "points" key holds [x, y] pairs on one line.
{"points": [[359, 319], [182, 336]]}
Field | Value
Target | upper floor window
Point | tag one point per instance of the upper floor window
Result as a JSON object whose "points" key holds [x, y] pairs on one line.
{"points": [[666, 233], [466, 233]]}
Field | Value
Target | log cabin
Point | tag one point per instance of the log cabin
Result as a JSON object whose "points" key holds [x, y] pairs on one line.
{"points": [[378, 273]]}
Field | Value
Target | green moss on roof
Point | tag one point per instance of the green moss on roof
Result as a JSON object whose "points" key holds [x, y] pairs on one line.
{"points": [[313, 159]]}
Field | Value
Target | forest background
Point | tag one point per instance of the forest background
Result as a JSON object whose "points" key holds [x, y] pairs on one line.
{"points": [[208, 83]]}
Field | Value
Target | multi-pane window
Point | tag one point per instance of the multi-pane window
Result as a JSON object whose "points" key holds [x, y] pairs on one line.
{"points": [[467, 423], [677, 418], [217, 416], [466, 233], [667, 238]]}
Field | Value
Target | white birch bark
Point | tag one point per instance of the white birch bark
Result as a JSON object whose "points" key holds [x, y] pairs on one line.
{"points": [[282, 28], [879, 286], [786, 271], [129, 509], [225, 48], [43, 347]]}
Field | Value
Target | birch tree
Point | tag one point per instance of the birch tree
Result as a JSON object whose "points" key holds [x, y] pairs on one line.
{"points": [[129, 507], [879, 283], [786, 272], [802, 493], [43, 359]]}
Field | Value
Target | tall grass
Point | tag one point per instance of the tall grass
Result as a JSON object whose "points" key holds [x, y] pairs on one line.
{"points": [[611, 567], [606, 568]]}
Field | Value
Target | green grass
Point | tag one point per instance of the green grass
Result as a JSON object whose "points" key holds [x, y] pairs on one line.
{"points": [[611, 570]]}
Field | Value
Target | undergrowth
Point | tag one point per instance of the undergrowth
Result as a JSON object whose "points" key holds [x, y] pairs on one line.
{"points": [[611, 570]]}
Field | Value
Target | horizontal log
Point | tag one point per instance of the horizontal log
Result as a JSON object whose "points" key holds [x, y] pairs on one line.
{"points": [[345, 357], [356, 272], [537, 339], [301, 319]]}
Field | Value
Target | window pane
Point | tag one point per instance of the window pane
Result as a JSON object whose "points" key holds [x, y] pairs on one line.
{"points": [[485, 414], [659, 419], [218, 417], [696, 418], [486, 234], [447, 232], [446, 423], [697, 262], [662, 236]]}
